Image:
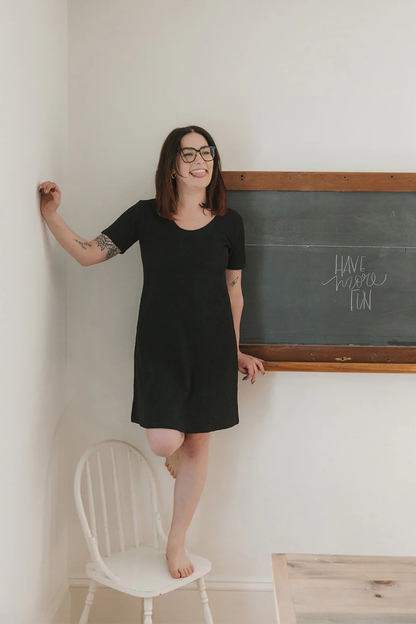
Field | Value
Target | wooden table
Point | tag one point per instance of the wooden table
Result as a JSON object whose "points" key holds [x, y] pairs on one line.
{"points": [[343, 589]]}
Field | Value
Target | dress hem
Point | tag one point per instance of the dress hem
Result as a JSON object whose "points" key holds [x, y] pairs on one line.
{"points": [[176, 429]]}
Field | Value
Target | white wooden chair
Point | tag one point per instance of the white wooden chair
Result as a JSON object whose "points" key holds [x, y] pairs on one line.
{"points": [[116, 469]]}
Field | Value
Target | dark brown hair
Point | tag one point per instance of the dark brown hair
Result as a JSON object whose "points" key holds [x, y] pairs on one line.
{"points": [[166, 188]]}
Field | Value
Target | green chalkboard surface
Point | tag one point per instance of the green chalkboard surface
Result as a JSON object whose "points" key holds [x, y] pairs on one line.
{"points": [[328, 267]]}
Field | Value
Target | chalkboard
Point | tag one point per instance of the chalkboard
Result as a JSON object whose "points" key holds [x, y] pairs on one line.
{"points": [[329, 268]]}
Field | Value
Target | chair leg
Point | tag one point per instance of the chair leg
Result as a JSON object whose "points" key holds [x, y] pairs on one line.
{"points": [[88, 602], [204, 599], [148, 604]]}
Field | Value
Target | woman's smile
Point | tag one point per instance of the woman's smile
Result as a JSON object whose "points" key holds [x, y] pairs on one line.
{"points": [[198, 173]]}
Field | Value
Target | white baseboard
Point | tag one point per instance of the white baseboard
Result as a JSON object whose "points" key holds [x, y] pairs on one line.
{"points": [[236, 600], [217, 583], [60, 604]]}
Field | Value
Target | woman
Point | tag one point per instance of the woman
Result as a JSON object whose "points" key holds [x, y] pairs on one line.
{"points": [[186, 354]]}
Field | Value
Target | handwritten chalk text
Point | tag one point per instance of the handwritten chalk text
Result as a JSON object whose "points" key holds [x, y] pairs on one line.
{"points": [[358, 282]]}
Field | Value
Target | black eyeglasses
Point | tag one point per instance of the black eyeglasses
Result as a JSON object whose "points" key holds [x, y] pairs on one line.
{"points": [[188, 154]]}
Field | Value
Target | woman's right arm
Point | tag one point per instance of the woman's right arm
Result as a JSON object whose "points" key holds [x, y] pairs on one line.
{"points": [[85, 252]]}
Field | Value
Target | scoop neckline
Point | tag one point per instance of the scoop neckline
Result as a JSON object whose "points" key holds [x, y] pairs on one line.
{"points": [[197, 229]]}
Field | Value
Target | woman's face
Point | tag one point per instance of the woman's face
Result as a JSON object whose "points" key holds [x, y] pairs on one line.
{"points": [[198, 173]]}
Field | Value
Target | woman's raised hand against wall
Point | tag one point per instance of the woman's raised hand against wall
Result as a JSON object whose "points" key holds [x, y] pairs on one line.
{"points": [[50, 197]]}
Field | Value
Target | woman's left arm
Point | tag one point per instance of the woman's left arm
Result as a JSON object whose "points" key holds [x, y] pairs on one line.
{"points": [[246, 363]]}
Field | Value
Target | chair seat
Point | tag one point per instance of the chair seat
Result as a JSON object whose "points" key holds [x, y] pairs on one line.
{"points": [[144, 571]]}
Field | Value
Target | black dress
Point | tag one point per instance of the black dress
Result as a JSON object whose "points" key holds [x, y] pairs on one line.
{"points": [[185, 357]]}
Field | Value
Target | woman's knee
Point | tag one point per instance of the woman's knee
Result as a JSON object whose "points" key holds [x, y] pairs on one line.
{"points": [[195, 444], [164, 442]]}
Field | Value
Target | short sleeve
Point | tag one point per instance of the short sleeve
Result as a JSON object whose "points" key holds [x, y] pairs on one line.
{"points": [[126, 230], [237, 252]]}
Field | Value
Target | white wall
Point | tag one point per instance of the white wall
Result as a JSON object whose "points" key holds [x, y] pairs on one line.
{"points": [[33, 131], [320, 462]]}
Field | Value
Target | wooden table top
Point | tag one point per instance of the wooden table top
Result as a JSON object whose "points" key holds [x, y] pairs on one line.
{"points": [[344, 589]]}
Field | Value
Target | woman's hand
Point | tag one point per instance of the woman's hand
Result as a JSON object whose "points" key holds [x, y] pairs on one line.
{"points": [[50, 197], [249, 365]]}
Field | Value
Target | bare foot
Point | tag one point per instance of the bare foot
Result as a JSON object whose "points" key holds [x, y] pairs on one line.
{"points": [[172, 463], [179, 564]]}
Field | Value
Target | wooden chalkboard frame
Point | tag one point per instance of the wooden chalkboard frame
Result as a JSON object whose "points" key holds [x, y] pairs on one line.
{"points": [[327, 358]]}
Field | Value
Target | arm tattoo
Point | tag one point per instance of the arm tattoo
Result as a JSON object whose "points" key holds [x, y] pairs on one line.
{"points": [[233, 283], [104, 242], [82, 243]]}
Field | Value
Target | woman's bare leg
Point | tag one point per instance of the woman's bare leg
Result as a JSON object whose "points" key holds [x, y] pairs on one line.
{"points": [[164, 442], [189, 485], [167, 441]]}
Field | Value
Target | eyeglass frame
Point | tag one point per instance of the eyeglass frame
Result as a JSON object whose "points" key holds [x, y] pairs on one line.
{"points": [[212, 147]]}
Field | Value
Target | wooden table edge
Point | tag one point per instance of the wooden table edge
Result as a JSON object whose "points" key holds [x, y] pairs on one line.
{"points": [[285, 608]]}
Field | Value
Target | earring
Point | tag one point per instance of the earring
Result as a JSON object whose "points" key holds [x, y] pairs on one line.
{"points": [[173, 175]]}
